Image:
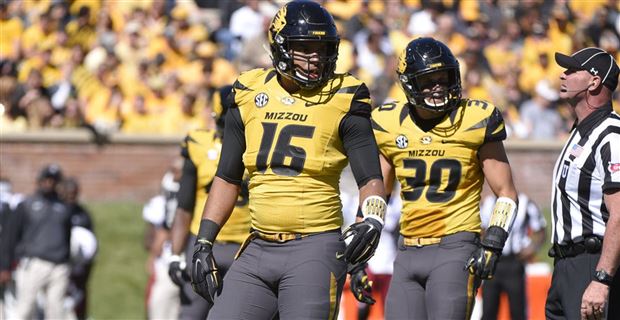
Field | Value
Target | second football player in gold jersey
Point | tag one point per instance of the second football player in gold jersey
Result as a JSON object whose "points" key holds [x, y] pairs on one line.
{"points": [[441, 147], [201, 151], [293, 128]]}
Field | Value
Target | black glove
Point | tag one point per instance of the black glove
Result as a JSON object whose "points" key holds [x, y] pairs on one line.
{"points": [[360, 285], [206, 279], [483, 260], [364, 243], [177, 271], [482, 263]]}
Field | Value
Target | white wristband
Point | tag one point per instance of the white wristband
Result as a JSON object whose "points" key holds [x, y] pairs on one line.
{"points": [[374, 207], [503, 213]]}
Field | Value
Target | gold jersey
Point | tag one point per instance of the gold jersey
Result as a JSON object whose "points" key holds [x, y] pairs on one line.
{"points": [[203, 148], [294, 153], [439, 171]]}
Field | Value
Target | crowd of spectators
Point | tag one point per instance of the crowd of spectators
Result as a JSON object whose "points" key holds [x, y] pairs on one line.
{"points": [[152, 66]]}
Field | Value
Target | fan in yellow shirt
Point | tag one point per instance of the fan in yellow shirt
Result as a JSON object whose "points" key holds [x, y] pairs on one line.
{"points": [[80, 31], [40, 34], [138, 119], [11, 29], [104, 109], [183, 117]]}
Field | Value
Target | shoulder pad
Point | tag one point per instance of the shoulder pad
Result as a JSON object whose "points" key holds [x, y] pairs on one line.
{"points": [[348, 94], [246, 80], [485, 114], [360, 103], [484, 105], [245, 84], [389, 115]]}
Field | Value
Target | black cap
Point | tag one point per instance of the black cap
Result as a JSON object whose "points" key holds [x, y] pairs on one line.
{"points": [[52, 171], [594, 60]]}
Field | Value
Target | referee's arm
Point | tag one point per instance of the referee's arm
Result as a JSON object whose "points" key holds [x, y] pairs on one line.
{"points": [[610, 256]]}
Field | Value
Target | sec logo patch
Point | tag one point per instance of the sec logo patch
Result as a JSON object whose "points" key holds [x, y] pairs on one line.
{"points": [[261, 99], [402, 142]]}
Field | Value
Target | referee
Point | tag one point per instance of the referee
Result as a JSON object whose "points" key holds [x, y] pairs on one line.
{"points": [[524, 241], [586, 197]]}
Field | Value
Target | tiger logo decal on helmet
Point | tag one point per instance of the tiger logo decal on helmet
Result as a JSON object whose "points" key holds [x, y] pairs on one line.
{"points": [[278, 23], [402, 61]]}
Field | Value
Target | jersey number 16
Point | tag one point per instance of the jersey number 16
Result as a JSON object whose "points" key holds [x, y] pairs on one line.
{"points": [[283, 149]]}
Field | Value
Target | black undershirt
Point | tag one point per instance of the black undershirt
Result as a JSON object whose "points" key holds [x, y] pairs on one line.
{"points": [[186, 197], [425, 124]]}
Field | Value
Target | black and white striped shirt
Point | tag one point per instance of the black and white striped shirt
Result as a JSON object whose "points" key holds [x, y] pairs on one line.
{"points": [[528, 219], [588, 165]]}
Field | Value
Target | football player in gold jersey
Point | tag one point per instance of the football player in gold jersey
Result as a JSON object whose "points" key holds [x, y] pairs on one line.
{"points": [[441, 147], [201, 150], [293, 127]]}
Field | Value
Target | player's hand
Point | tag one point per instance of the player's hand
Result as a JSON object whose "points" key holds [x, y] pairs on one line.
{"points": [[365, 239], [360, 285], [177, 271], [205, 277], [482, 263]]}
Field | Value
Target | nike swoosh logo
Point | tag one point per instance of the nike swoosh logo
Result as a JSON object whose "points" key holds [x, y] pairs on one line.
{"points": [[450, 141]]}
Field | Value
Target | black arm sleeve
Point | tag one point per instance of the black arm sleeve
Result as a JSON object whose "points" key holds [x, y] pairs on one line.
{"points": [[361, 148], [231, 167], [186, 196]]}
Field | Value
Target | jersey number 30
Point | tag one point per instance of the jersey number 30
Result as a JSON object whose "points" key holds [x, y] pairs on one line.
{"points": [[283, 149], [433, 194]]}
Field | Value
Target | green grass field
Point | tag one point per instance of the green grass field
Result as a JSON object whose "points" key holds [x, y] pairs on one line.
{"points": [[542, 254], [119, 276]]}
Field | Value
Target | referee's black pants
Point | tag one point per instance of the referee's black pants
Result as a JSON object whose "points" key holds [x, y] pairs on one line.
{"points": [[510, 278], [571, 277]]}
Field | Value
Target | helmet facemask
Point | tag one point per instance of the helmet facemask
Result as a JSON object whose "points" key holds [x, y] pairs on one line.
{"points": [[437, 90], [309, 62]]}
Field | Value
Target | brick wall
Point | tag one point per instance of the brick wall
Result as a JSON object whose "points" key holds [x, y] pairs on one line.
{"points": [[130, 168], [532, 168], [127, 169]]}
